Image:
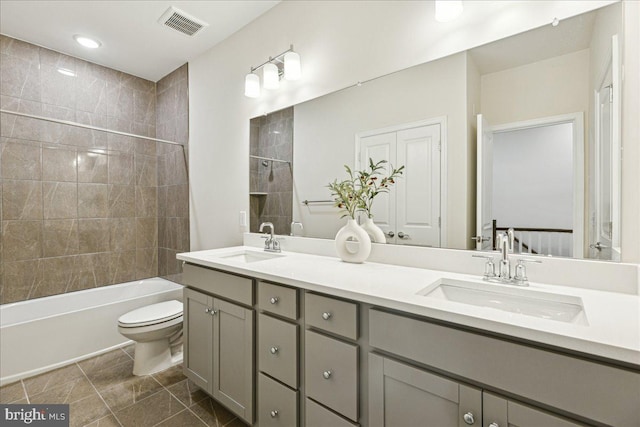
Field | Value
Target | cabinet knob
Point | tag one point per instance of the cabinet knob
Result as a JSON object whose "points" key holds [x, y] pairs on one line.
{"points": [[469, 418], [494, 425], [274, 350], [402, 235], [207, 310], [213, 312], [326, 375], [274, 300], [274, 413], [326, 315]]}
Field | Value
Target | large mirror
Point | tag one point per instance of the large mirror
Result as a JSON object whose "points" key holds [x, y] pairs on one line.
{"points": [[522, 133]]}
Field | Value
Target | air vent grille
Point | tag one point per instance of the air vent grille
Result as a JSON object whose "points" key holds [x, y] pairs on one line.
{"points": [[180, 21]]}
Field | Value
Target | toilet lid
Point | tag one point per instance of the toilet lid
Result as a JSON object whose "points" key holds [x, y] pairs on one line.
{"points": [[151, 314]]}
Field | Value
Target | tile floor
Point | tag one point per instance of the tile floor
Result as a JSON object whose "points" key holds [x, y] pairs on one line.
{"points": [[102, 392]]}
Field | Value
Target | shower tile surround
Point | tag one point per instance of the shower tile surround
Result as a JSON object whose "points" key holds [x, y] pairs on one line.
{"points": [[81, 208], [102, 391], [272, 136]]}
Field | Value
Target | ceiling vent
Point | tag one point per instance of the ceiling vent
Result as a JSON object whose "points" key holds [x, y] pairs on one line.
{"points": [[181, 21]]}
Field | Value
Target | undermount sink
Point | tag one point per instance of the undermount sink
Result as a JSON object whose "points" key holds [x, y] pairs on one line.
{"points": [[544, 305], [250, 256]]}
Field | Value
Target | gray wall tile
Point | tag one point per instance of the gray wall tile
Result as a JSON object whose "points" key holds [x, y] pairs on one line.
{"points": [[60, 237], [60, 200], [59, 164], [21, 200], [21, 240], [93, 235], [93, 201]]}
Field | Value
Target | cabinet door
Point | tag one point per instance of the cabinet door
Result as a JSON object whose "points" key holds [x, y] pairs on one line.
{"points": [[500, 412], [198, 338], [402, 396], [233, 377]]}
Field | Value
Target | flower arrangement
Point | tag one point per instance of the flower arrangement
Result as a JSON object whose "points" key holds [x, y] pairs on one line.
{"points": [[358, 191]]}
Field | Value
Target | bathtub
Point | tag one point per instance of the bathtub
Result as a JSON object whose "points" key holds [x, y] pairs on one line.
{"points": [[45, 333]]}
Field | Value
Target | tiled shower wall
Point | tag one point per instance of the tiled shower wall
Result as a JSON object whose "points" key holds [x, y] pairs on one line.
{"points": [[271, 185], [79, 207], [172, 123]]}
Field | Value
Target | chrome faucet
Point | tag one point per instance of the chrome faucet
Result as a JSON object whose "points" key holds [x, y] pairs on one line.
{"points": [[506, 245], [293, 224], [271, 244]]}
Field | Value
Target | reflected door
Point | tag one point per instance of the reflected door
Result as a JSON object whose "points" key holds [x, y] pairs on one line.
{"points": [[484, 193], [410, 213]]}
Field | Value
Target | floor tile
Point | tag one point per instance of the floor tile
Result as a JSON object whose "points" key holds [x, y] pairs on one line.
{"points": [[187, 392], [130, 350], [111, 376], [67, 392], [103, 361], [130, 392], [108, 421], [12, 392], [182, 419], [170, 376], [41, 383], [87, 410], [212, 413], [236, 423], [150, 411]]}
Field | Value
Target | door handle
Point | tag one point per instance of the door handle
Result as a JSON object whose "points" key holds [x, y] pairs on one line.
{"points": [[599, 246], [402, 235]]}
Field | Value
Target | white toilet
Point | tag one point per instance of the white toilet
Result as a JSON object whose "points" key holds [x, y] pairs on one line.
{"points": [[155, 329]]}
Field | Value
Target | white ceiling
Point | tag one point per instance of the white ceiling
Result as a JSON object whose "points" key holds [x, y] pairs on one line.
{"points": [[132, 39], [571, 35]]}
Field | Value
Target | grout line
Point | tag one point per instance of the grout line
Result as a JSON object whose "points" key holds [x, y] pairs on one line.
{"points": [[187, 407], [24, 388], [99, 395]]}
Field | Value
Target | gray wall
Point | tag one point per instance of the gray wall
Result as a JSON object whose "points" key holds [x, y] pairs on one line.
{"points": [[79, 207]]}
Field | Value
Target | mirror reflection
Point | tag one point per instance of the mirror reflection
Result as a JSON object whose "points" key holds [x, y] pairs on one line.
{"points": [[522, 133]]}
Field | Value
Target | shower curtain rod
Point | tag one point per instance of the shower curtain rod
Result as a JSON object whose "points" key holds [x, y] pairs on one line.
{"points": [[80, 125], [269, 159]]}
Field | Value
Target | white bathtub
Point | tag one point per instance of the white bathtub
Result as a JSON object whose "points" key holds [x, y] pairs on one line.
{"points": [[41, 334]]}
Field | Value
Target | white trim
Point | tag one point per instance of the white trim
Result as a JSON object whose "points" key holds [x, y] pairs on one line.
{"points": [[577, 120], [440, 120]]}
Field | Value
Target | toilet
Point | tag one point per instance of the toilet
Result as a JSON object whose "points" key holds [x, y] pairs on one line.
{"points": [[155, 328]]}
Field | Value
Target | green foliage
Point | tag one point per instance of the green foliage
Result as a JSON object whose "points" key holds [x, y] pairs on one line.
{"points": [[357, 192]]}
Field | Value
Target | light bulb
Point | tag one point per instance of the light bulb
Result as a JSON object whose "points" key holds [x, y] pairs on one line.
{"points": [[292, 66], [448, 10], [252, 85], [270, 78]]}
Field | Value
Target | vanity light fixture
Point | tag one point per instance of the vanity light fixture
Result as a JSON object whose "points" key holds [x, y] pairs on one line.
{"points": [[87, 41], [286, 64], [448, 10]]}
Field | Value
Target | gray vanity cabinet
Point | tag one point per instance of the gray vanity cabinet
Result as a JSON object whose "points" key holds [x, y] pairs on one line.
{"points": [[218, 349], [402, 395], [501, 412]]}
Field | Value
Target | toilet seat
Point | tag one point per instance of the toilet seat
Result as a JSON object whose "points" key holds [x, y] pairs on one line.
{"points": [[151, 315]]}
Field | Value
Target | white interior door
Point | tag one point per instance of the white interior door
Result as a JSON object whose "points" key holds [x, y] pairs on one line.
{"points": [[418, 191], [381, 147], [484, 196], [606, 245]]}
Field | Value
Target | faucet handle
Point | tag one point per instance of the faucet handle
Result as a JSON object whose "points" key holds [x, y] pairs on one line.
{"points": [[521, 271], [489, 266]]}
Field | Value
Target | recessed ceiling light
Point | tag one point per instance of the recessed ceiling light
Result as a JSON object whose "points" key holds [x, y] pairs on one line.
{"points": [[87, 42]]}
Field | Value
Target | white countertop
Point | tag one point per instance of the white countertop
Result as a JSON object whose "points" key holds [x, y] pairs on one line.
{"points": [[613, 329]]}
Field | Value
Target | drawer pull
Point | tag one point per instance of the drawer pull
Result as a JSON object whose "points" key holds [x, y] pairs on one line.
{"points": [[274, 413], [326, 375], [469, 418], [274, 300], [326, 315], [274, 350]]}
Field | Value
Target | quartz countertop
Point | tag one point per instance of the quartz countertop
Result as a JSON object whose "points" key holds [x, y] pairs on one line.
{"points": [[612, 332]]}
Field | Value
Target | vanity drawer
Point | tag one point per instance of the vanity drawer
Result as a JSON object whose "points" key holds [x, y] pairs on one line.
{"points": [[331, 315], [232, 287], [278, 349], [319, 416], [331, 373], [278, 299], [277, 404]]}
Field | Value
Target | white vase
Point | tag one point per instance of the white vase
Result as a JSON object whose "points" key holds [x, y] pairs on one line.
{"points": [[352, 251], [374, 232]]}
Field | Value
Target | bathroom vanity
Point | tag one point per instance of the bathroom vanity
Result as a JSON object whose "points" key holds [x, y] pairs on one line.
{"points": [[293, 339]]}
